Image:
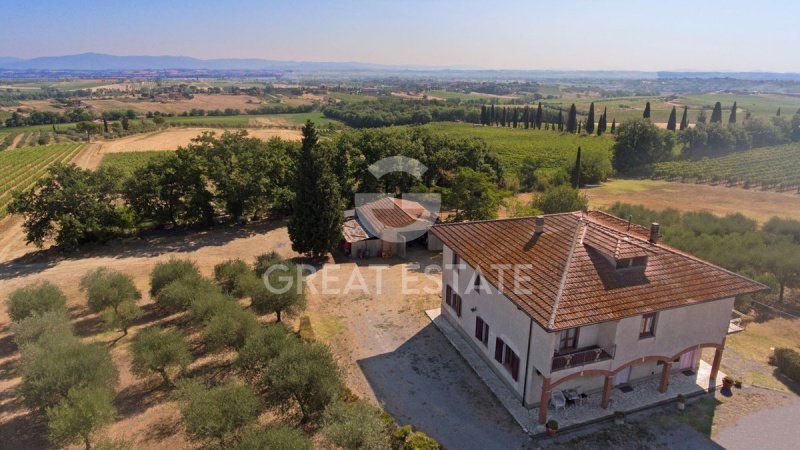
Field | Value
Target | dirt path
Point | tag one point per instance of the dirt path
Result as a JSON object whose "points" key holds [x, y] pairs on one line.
{"points": [[16, 140]]}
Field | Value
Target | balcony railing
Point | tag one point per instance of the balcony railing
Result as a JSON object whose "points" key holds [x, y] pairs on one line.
{"points": [[582, 357]]}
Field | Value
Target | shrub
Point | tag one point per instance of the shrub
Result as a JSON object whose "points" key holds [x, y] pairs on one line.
{"points": [[304, 375], [235, 277], [279, 437], [181, 293], [263, 346], [216, 412], [52, 323], [75, 418], [560, 199], [159, 351], [283, 293], [165, 273], [420, 441], [204, 306], [788, 361], [229, 326], [265, 261], [356, 425], [53, 366], [113, 295], [35, 299], [400, 435]]}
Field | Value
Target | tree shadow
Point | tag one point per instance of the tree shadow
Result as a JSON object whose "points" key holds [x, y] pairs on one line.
{"points": [[140, 397], [8, 370], [148, 243], [25, 431], [7, 345]]}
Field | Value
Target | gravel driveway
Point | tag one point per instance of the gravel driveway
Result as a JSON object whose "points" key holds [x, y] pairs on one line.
{"points": [[395, 356]]}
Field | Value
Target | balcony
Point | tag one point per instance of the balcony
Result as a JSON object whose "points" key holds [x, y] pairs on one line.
{"points": [[582, 357]]}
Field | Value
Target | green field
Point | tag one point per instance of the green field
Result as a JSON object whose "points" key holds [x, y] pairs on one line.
{"points": [[513, 145], [474, 96], [759, 105], [347, 97], [769, 167], [20, 168], [128, 162]]}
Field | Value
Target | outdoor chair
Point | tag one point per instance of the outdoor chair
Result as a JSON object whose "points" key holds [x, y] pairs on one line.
{"points": [[558, 400]]}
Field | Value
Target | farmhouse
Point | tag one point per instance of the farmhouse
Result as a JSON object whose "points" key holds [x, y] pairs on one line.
{"points": [[385, 227], [582, 302]]}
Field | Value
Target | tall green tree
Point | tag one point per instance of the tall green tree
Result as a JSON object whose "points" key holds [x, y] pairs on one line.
{"points": [[561, 120], [316, 223], [646, 114], [84, 411], [672, 119], [601, 127], [640, 142], [113, 295], [572, 119], [576, 171], [685, 118], [71, 205], [590, 120], [474, 196], [156, 351], [539, 116], [779, 112], [716, 113], [613, 126], [732, 117]]}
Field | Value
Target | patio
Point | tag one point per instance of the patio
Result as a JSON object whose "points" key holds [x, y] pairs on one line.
{"points": [[643, 393]]}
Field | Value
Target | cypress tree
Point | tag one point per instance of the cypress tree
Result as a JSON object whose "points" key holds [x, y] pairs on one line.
{"points": [[605, 120], [613, 126], [572, 119], [672, 119], [732, 117], [601, 125], [779, 112], [105, 126], [716, 114], [515, 117], [483, 114], [539, 117], [579, 127], [527, 117], [646, 114], [315, 226], [576, 171], [590, 120], [493, 119], [685, 118], [561, 120], [505, 115]]}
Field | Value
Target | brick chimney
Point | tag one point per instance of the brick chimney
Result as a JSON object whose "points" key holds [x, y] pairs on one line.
{"points": [[655, 227]]}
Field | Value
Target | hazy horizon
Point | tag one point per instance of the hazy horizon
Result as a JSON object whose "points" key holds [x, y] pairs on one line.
{"points": [[515, 35]]}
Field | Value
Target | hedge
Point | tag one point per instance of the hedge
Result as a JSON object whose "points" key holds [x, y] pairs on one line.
{"points": [[788, 361]]}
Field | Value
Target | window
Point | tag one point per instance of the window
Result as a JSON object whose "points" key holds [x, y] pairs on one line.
{"points": [[568, 340], [648, 326], [629, 263], [482, 331], [505, 356], [448, 295], [477, 281], [457, 304]]}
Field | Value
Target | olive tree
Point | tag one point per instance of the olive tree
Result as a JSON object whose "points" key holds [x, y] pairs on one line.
{"points": [[33, 299], [179, 294], [32, 328], [282, 291], [357, 426], [261, 347], [273, 437], [166, 272], [113, 295], [81, 413], [236, 278], [229, 326], [215, 413], [159, 351], [304, 375]]}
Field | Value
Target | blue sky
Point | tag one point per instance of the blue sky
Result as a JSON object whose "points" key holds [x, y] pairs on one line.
{"points": [[510, 34]]}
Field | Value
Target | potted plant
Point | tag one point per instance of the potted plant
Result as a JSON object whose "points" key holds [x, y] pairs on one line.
{"points": [[619, 418], [681, 402], [551, 427], [737, 383], [727, 382]]}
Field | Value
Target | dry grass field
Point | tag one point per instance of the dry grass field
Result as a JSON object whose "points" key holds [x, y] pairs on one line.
{"points": [[200, 101], [659, 195]]}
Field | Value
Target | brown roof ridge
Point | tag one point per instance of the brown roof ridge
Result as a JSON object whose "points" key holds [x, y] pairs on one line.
{"points": [[674, 250], [505, 219], [578, 227], [632, 238]]}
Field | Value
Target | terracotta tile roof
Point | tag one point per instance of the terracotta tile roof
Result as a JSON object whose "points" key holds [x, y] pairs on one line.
{"points": [[391, 212], [566, 278]]}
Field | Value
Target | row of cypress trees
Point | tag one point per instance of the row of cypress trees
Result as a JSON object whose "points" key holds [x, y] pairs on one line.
{"points": [[535, 118]]}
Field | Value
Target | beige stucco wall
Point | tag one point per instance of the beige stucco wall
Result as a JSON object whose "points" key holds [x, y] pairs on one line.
{"points": [[676, 329]]}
